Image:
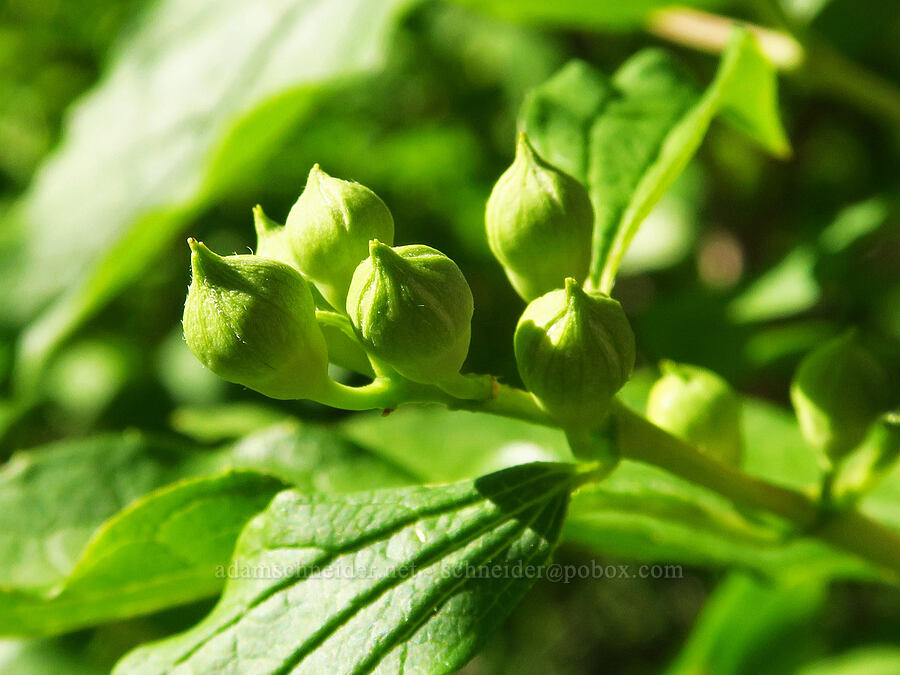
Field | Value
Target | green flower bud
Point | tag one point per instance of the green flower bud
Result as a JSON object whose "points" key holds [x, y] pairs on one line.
{"points": [[837, 392], [329, 229], [271, 238], [412, 308], [700, 407], [574, 350], [252, 321], [539, 224]]}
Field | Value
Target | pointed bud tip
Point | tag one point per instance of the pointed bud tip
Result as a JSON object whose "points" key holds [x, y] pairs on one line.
{"points": [[262, 223], [200, 256], [377, 249], [524, 149], [574, 291], [316, 173]]}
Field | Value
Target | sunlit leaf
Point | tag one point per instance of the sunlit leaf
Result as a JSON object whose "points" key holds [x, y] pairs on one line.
{"points": [[407, 580]]}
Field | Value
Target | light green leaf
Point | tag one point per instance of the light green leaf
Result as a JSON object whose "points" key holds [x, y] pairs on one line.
{"points": [[745, 622], [629, 137], [581, 14], [873, 660], [195, 100], [55, 500], [789, 288], [407, 580], [440, 445], [162, 550]]}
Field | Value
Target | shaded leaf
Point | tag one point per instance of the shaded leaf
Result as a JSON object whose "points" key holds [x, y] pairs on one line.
{"points": [[749, 624], [56, 501]]}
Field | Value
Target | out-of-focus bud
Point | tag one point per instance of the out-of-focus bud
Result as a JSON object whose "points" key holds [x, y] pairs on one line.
{"points": [[412, 308], [329, 228], [251, 320], [871, 461], [700, 407], [539, 224], [837, 392], [574, 350]]}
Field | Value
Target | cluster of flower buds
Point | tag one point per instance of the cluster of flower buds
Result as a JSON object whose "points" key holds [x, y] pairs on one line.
{"points": [[252, 319]]}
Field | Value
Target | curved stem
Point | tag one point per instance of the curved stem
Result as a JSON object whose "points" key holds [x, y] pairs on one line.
{"points": [[851, 531], [470, 387], [508, 402]]}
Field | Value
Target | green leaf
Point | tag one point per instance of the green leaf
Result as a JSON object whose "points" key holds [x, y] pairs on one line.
{"points": [[436, 444], [55, 500], [749, 625], [581, 14], [407, 580], [629, 137], [162, 550], [181, 118], [874, 660]]}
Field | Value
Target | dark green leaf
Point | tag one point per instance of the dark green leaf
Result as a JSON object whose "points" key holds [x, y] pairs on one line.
{"points": [[61, 504], [747, 625], [407, 580]]}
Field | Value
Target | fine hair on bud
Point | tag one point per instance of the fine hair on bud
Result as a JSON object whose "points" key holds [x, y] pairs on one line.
{"points": [[539, 224], [574, 350], [412, 308], [251, 320], [329, 229]]}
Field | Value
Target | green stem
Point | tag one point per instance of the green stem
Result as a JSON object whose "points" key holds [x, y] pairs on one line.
{"points": [[851, 531], [508, 402], [794, 49], [342, 322], [469, 387]]}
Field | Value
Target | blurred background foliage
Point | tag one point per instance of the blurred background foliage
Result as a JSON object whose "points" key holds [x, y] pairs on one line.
{"points": [[126, 124]]}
